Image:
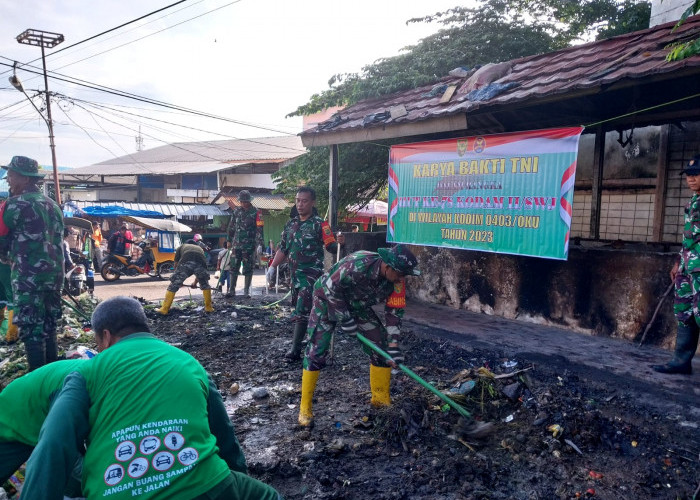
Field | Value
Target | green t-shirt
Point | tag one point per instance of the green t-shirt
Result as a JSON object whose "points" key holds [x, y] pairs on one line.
{"points": [[24, 403], [149, 428]]}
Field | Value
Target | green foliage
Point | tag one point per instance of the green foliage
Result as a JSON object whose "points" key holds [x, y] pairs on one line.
{"points": [[678, 51], [361, 174], [494, 31]]}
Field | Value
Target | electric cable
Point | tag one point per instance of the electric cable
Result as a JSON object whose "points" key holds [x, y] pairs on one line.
{"points": [[136, 97], [191, 139], [149, 35], [107, 31]]}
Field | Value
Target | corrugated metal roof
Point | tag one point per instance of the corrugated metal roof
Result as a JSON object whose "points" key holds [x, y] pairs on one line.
{"points": [[576, 71], [198, 157], [169, 209], [261, 201]]}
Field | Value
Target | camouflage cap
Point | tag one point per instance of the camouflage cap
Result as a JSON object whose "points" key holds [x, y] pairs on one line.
{"points": [[244, 195], [693, 167], [24, 166], [401, 259]]}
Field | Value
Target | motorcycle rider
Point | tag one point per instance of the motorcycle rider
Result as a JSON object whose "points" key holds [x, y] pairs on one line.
{"points": [[117, 242]]}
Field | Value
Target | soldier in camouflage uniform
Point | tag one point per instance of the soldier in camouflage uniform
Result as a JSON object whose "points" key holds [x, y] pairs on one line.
{"points": [[245, 232], [345, 295], [189, 260], [686, 277], [302, 242], [34, 246]]}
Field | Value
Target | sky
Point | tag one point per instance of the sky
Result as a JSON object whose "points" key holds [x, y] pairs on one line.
{"points": [[252, 61]]}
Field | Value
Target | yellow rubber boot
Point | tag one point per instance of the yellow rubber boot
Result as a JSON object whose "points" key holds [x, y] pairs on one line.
{"points": [[308, 386], [167, 302], [379, 382], [12, 330], [207, 301]]}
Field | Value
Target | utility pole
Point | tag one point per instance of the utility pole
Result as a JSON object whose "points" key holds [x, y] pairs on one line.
{"points": [[139, 141], [46, 39]]}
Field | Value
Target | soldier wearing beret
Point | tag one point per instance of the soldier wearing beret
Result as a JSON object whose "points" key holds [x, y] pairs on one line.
{"points": [[245, 233], [686, 277], [33, 243], [344, 296]]}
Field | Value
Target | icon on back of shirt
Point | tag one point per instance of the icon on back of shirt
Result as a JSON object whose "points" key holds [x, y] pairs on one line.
{"points": [[138, 467], [125, 451], [149, 444], [188, 456], [114, 474], [173, 440], [163, 460]]}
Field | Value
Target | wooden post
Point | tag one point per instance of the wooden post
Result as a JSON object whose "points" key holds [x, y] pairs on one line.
{"points": [[661, 183], [333, 188], [597, 184]]}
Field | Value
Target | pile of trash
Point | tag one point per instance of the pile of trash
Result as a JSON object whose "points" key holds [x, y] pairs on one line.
{"points": [[75, 339]]}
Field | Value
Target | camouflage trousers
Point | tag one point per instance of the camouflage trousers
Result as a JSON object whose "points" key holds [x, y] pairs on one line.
{"points": [[186, 269], [302, 293], [302, 300], [686, 301], [245, 257], [321, 328], [37, 314]]}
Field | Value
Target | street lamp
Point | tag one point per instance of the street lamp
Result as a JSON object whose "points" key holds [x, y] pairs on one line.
{"points": [[43, 39]]}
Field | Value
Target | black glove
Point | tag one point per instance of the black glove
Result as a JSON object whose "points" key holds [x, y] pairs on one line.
{"points": [[394, 351], [349, 326]]}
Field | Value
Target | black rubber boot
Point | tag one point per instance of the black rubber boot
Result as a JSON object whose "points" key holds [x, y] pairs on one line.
{"points": [[36, 353], [246, 285], [299, 333], [51, 347], [686, 344], [232, 289]]}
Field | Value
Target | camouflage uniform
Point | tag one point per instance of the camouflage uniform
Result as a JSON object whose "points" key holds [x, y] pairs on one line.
{"points": [[190, 259], [302, 242], [687, 283], [245, 232], [346, 292], [34, 245]]}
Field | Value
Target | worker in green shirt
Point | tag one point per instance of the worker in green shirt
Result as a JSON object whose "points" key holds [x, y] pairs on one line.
{"points": [[154, 423], [24, 404]]}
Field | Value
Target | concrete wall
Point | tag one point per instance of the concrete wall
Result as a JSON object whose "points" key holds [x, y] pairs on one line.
{"points": [[665, 11], [597, 291]]}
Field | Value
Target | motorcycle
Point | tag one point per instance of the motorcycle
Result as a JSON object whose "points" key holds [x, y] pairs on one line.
{"points": [[117, 265], [80, 278]]}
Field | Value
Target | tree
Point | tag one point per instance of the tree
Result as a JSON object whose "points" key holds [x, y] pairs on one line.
{"points": [[495, 31], [683, 50], [362, 176]]}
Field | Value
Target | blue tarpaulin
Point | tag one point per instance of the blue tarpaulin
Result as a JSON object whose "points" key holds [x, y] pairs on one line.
{"points": [[117, 211]]}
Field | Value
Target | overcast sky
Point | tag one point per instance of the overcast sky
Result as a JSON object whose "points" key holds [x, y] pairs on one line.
{"points": [[253, 61]]}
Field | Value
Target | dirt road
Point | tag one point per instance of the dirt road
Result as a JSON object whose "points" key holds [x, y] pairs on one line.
{"points": [[154, 288]]}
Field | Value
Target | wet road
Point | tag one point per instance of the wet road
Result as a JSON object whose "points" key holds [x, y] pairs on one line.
{"points": [[154, 288]]}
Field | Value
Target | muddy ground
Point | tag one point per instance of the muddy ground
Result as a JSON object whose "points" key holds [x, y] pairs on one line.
{"points": [[557, 435]]}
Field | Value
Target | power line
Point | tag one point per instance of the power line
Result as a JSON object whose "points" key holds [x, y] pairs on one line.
{"points": [[108, 31], [152, 137], [149, 35], [142, 25], [129, 95], [217, 146]]}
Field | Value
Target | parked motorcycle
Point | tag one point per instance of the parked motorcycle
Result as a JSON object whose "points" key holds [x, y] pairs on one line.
{"points": [[117, 265], [80, 278]]}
